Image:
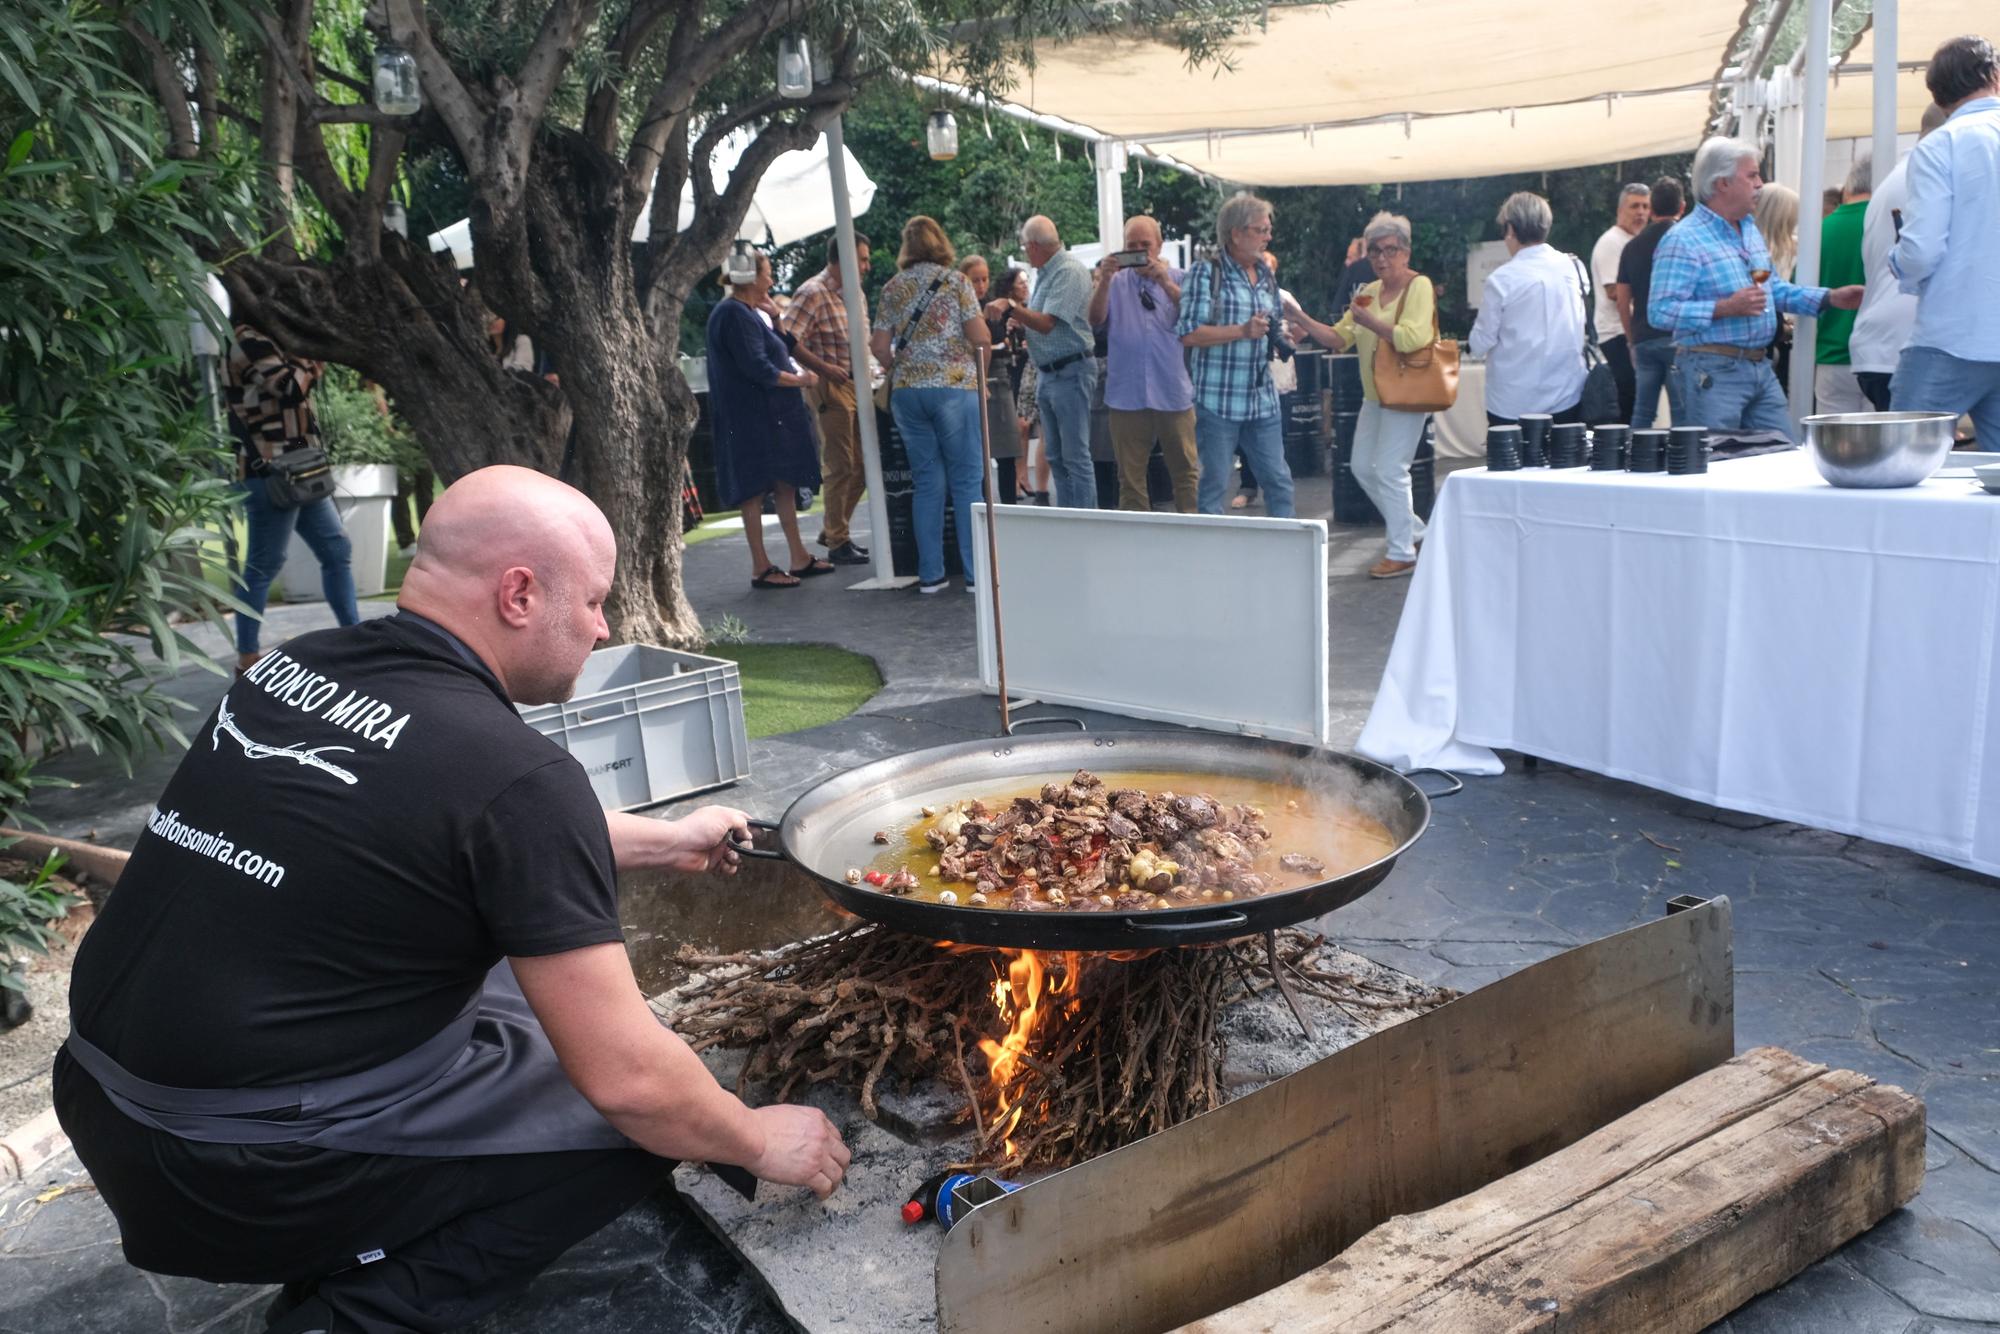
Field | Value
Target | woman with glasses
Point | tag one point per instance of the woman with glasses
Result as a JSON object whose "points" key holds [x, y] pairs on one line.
{"points": [[1229, 311], [1399, 306]]}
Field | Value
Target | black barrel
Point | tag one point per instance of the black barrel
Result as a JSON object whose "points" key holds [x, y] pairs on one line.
{"points": [[899, 494], [1350, 503], [1305, 415]]}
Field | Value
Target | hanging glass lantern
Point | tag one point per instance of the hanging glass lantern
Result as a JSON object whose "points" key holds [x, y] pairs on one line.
{"points": [[397, 92], [942, 134], [795, 67]]}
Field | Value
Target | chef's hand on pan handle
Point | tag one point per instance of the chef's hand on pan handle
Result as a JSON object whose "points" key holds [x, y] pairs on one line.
{"points": [[705, 839], [801, 1148]]}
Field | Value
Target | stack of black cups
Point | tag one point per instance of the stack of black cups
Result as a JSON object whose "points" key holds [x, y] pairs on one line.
{"points": [[1687, 450], [1535, 439], [1607, 447], [1566, 447], [1646, 452], [1503, 449]]}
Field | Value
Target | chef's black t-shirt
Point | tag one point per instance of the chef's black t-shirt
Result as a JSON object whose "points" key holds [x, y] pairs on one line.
{"points": [[361, 830]]}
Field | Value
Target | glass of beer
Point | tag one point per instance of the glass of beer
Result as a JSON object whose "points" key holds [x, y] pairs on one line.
{"points": [[1760, 276], [1364, 300]]}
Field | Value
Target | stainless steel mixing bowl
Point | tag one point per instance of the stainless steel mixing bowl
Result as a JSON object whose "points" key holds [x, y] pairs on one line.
{"points": [[1878, 449]]}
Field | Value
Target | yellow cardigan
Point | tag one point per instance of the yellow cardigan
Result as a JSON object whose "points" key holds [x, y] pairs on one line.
{"points": [[1414, 328]]}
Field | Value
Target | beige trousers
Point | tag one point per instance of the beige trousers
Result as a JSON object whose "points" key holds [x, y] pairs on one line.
{"points": [[842, 479], [1132, 437]]}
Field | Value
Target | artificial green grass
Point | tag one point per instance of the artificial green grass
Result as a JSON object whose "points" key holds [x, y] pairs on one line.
{"points": [[790, 687]]}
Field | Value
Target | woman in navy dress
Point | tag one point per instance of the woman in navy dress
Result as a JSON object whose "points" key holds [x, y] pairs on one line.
{"points": [[763, 429]]}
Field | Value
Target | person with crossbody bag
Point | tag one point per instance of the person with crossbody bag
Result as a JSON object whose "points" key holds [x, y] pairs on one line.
{"points": [[1407, 372], [928, 327], [287, 483]]}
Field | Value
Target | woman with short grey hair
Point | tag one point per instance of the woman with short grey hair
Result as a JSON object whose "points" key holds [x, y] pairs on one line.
{"points": [[1531, 320], [1399, 307]]}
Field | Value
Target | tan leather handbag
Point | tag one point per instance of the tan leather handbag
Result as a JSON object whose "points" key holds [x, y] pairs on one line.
{"points": [[1422, 381]]}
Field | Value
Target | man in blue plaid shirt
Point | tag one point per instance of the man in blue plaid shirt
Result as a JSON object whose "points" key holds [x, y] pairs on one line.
{"points": [[1723, 317], [1229, 305]]}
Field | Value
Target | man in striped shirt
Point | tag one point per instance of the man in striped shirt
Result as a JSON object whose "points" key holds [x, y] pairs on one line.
{"points": [[1722, 315], [818, 319]]}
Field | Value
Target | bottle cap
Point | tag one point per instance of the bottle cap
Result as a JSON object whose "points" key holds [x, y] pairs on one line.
{"points": [[913, 1211]]}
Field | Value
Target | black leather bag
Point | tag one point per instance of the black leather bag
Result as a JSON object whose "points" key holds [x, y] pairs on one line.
{"points": [[297, 477], [1599, 403]]}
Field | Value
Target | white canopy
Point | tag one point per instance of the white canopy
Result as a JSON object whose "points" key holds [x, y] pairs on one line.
{"points": [[794, 200], [1922, 26], [1404, 90]]}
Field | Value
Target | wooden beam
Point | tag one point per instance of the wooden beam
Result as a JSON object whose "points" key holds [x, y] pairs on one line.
{"points": [[1665, 1220]]}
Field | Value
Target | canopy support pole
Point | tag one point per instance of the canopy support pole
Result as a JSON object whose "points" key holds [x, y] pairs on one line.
{"points": [[1812, 175], [1109, 155], [1885, 72], [857, 353]]}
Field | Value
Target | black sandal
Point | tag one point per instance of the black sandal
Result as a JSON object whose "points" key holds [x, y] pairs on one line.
{"points": [[773, 577], [815, 566]]}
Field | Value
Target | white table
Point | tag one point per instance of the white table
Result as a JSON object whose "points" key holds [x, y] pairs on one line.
{"points": [[1751, 638]]}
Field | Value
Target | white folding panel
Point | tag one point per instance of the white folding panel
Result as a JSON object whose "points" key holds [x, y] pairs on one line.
{"points": [[1215, 622]]}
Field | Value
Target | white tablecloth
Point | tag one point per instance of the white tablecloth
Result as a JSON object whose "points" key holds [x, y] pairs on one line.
{"points": [[1751, 638]]}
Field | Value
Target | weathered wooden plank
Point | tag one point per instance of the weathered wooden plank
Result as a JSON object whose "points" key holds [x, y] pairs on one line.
{"points": [[1238, 1201], [1665, 1220]]}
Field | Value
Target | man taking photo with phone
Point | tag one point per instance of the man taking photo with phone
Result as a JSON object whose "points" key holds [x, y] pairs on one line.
{"points": [[1136, 300]]}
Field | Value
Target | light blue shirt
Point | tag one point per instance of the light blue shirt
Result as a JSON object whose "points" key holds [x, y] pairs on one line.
{"points": [[1949, 254], [1062, 289]]}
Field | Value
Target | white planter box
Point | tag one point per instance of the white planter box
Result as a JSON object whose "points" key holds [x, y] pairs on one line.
{"points": [[361, 495]]}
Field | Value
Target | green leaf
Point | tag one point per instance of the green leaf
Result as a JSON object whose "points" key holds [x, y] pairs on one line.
{"points": [[17, 152]]}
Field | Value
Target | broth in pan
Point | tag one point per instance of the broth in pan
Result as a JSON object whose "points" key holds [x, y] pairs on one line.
{"points": [[1080, 842]]}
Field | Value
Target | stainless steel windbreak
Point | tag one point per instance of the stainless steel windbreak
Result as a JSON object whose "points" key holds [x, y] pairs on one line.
{"points": [[830, 828]]}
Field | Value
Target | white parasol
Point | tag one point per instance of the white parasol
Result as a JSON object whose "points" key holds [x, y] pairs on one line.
{"points": [[793, 200]]}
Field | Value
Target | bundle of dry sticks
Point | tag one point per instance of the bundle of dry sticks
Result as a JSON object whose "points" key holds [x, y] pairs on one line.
{"points": [[1129, 1047]]}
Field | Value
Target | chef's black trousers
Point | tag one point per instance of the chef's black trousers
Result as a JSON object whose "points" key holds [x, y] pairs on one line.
{"points": [[455, 1236]]}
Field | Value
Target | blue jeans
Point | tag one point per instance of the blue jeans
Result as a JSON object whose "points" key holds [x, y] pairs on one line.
{"points": [[1929, 379], [1652, 367], [1063, 399], [1730, 394], [264, 555], [1262, 441], [940, 429]]}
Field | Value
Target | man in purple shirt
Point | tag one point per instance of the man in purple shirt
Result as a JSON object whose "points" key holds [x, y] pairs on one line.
{"points": [[1146, 383]]}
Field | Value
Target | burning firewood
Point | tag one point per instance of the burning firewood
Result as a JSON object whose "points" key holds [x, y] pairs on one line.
{"points": [[1060, 1056]]}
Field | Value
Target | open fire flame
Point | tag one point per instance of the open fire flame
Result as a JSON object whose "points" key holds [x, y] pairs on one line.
{"points": [[1032, 992]]}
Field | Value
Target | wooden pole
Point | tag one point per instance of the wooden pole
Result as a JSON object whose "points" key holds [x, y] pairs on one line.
{"points": [[992, 537]]}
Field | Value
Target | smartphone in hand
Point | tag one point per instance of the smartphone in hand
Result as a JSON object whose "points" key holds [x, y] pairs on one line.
{"points": [[1130, 259]]}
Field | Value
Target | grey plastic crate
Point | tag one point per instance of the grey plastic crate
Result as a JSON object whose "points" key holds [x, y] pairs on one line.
{"points": [[650, 724]]}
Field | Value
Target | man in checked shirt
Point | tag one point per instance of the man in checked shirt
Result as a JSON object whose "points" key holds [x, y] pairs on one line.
{"points": [[1714, 291], [818, 319]]}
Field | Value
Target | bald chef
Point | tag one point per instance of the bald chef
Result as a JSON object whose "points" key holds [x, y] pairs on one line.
{"points": [[358, 1017]]}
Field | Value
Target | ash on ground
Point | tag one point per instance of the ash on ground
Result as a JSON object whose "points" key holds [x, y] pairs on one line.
{"points": [[850, 1263]]}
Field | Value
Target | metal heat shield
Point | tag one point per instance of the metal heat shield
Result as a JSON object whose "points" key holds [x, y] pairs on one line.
{"points": [[1244, 1198]]}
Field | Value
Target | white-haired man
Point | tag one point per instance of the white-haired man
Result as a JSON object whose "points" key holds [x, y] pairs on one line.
{"points": [[1888, 314], [1062, 346], [1722, 316]]}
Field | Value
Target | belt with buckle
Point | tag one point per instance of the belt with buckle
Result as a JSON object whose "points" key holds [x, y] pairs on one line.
{"points": [[1059, 363], [1731, 350]]}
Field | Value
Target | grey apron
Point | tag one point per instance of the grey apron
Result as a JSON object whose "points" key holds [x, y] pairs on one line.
{"points": [[487, 1083]]}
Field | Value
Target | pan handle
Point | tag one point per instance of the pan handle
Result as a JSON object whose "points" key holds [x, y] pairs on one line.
{"points": [[1457, 783], [748, 848], [1019, 723], [1226, 921]]}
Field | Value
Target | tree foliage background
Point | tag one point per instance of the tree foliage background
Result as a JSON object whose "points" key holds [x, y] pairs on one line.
{"points": [[113, 486]]}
